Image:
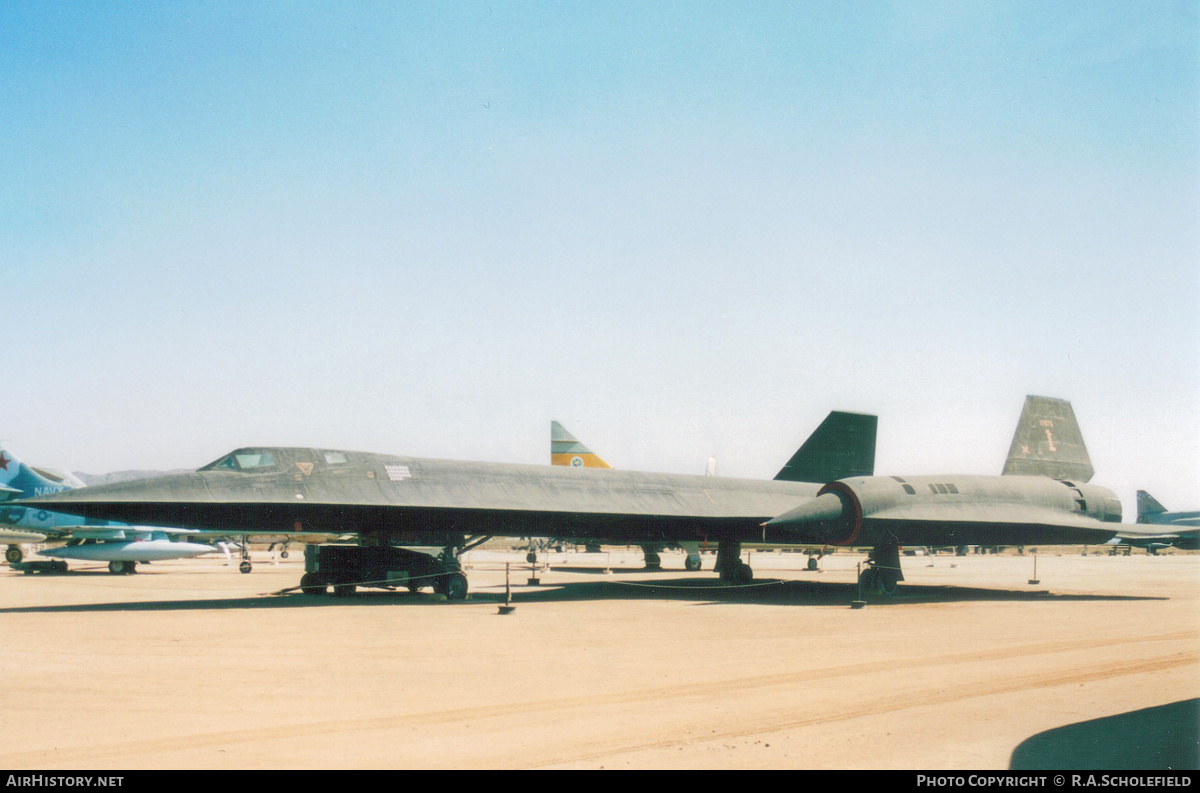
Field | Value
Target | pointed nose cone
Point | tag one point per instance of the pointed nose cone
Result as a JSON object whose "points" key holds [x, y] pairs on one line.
{"points": [[822, 508]]}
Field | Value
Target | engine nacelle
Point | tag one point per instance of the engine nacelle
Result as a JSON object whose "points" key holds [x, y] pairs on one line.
{"points": [[929, 509]]}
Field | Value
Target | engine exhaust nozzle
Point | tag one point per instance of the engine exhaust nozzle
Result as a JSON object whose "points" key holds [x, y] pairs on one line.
{"points": [[822, 508]]}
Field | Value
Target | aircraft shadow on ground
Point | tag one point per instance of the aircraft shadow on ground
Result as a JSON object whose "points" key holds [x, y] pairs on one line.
{"points": [[1166, 737], [700, 591], [709, 591]]}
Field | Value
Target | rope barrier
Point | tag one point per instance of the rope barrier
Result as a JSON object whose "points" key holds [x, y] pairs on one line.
{"points": [[392, 583], [696, 588]]}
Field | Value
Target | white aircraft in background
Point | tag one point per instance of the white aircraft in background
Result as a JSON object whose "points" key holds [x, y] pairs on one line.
{"points": [[119, 544]]}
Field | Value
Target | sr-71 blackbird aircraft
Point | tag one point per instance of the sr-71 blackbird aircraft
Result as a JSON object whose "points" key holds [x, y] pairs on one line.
{"points": [[391, 501]]}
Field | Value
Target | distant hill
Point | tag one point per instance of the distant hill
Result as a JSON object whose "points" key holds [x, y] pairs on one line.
{"points": [[125, 476]]}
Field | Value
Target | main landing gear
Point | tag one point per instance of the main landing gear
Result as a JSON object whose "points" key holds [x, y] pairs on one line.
{"points": [[730, 565], [244, 545], [122, 568], [13, 554], [691, 560], [883, 573], [347, 567]]}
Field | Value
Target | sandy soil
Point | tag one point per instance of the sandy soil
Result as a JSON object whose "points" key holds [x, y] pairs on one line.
{"points": [[189, 664]]}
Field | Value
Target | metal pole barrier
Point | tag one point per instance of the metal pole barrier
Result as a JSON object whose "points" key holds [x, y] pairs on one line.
{"points": [[508, 607], [859, 602]]}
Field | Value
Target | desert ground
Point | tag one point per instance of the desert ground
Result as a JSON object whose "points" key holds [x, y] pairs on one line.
{"points": [[189, 664]]}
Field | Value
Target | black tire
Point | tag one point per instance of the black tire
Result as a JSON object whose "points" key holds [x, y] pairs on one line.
{"points": [[283, 554], [812, 563], [312, 584], [454, 586], [13, 554], [245, 566], [122, 568], [531, 557], [743, 574], [879, 582], [692, 563]]}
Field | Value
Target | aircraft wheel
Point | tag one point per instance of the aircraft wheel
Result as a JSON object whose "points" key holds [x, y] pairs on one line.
{"points": [[743, 574], [531, 557], [653, 561], [283, 554], [879, 582], [245, 566], [122, 568], [812, 563], [13, 554], [691, 563], [311, 584], [454, 586], [885, 584], [344, 590]]}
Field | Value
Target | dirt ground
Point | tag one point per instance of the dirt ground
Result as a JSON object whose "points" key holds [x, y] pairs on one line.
{"points": [[189, 664]]}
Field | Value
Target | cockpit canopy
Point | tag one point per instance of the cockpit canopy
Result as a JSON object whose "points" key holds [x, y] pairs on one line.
{"points": [[243, 460], [256, 460]]}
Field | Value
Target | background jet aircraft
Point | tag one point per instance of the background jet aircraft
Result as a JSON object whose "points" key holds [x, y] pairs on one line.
{"points": [[1180, 529], [119, 544], [1150, 511], [394, 501], [565, 449], [14, 539], [1041, 497]]}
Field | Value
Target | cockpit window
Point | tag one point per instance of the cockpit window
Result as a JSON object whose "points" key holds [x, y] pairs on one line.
{"points": [[242, 461], [334, 458], [224, 464], [255, 460]]}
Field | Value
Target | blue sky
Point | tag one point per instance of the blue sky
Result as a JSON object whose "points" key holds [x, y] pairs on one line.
{"points": [[681, 229]]}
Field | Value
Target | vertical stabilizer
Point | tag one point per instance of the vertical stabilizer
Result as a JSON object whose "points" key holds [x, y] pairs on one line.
{"points": [[1048, 442], [566, 450], [1148, 507], [18, 480], [842, 446]]}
